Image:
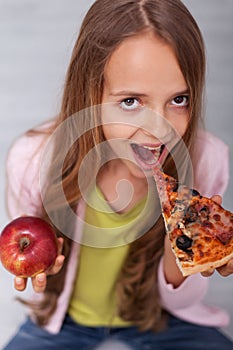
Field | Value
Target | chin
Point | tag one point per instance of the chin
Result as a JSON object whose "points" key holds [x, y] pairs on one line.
{"points": [[140, 173]]}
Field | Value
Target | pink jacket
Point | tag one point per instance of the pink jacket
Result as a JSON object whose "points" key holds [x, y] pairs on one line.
{"points": [[186, 301]]}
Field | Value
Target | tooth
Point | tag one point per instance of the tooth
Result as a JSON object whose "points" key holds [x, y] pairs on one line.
{"points": [[152, 148]]}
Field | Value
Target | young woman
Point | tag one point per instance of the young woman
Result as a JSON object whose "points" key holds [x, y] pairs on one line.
{"points": [[132, 101]]}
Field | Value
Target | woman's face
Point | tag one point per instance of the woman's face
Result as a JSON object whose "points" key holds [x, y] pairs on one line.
{"points": [[145, 102]]}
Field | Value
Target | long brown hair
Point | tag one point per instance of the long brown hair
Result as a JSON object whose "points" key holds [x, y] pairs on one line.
{"points": [[105, 26]]}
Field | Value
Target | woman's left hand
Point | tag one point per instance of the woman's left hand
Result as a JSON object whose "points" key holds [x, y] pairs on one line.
{"points": [[40, 280], [224, 270]]}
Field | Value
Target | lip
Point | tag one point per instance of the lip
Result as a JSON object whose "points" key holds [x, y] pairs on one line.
{"points": [[140, 154]]}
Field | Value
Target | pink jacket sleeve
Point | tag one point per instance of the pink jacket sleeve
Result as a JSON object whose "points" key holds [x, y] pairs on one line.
{"points": [[185, 302], [211, 174], [210, 165], [22, 187]]}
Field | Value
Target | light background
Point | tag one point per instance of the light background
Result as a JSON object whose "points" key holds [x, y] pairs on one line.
{"points": [[36, 38]]}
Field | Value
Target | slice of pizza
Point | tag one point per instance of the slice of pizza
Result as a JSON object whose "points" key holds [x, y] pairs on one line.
{"points": [[199, 229]]}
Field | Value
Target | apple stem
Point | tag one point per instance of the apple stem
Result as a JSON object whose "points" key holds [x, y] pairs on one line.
{"points": [[24, 243]]}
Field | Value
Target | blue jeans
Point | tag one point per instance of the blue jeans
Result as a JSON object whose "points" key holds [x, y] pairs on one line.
{"points": [[179, 335]]}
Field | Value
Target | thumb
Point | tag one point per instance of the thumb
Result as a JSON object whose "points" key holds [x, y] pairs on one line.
{"points": [[217, 199]]}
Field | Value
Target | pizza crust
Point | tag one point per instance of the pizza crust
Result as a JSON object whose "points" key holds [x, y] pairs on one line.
{"points": [[191, 268]]}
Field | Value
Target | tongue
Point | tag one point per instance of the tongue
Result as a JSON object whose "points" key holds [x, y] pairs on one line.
{"points": [[145, 154]]}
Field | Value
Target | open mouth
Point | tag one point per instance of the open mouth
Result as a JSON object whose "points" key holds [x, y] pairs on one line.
{"points": [[149, 156]]}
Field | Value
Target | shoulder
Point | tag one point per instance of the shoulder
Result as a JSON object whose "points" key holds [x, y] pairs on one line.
{"points": [[23, 170], [208, 142], [24, 147], [210, 164], [28, 147]]}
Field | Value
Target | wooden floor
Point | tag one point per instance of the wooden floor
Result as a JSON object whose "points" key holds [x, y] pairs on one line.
{"points": [[36, 38]]}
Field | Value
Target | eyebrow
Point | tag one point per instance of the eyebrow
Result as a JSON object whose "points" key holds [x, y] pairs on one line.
{"points": [[137, 94], [183, 92], [127, 93]]}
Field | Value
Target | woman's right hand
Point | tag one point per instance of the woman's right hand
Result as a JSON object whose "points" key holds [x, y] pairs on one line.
{"points": [[40, 280]]}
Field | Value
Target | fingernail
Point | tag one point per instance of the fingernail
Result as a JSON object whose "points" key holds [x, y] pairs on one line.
{"points": [[18, 281], [61, 259], [40, 278]]}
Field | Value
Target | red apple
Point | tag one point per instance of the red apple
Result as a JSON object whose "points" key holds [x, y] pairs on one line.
{"points": [[28, 246]]}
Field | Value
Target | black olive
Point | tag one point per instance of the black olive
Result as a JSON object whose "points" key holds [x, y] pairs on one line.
{"points": [[205, 209], [191, 214], [195, 193], [184, 242]]}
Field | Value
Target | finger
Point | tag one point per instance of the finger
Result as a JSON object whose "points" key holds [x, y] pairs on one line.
{"points": [[226, 269], [60, 242], [39, 282], [216, 198], [208, 273], [57, 265], [20, 283]]}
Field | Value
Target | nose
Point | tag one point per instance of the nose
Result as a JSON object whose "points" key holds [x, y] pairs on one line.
{"points": [[157, 125]]}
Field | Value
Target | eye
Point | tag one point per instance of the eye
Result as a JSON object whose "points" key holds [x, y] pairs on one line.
{"points": [[130, 104], [180, 101]]}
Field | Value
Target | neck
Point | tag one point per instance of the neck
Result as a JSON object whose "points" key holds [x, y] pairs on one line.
{"points": [[120, 188]]}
